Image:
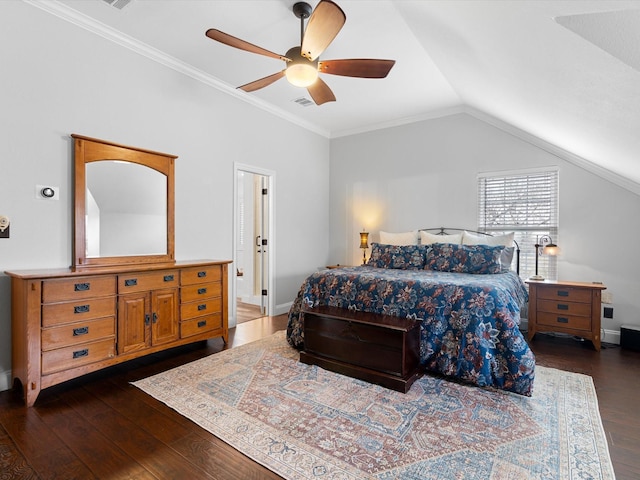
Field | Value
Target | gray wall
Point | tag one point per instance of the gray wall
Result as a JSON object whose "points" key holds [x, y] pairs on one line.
{"points": [[59, 79], [425, 175]]}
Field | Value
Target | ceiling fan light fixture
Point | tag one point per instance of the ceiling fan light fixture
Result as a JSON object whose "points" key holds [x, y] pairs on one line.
{"points": [[301, 72]]}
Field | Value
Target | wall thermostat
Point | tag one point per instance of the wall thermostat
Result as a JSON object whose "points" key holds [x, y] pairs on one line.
{"points": [[47, 192], [4, 226]]}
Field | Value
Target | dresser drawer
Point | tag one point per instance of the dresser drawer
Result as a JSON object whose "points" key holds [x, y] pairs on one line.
{"points": [[142, 282], [77, 355], [564, 308], [70, 312], [567, 294], [197, 309], [205, 274], [77, 288], [564, 321], [200, 325], [76, 333], [195, 293]]}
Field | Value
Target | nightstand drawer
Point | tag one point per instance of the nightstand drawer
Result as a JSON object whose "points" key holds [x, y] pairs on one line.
{"points": [[566, 294], [564, 321], [565, 308]]}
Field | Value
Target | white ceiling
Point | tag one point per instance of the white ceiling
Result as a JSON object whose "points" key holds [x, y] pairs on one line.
{"points": [[566, 72]]}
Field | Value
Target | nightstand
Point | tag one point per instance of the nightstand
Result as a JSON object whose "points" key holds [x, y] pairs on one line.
{"points": [[566, 307]]}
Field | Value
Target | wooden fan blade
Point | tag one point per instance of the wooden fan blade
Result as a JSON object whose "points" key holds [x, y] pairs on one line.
{"points": [[324, 24], [232, 41], [263, 82], [357, 67], [320, 92]]}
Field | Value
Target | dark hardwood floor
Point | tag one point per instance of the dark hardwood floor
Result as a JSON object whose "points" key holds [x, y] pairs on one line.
{"points": [[99, 426]]}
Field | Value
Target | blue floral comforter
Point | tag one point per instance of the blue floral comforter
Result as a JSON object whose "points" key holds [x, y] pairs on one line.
{"points": [[469, 322]]}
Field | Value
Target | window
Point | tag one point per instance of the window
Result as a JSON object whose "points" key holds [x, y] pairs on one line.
{"points": [[526, 203]]}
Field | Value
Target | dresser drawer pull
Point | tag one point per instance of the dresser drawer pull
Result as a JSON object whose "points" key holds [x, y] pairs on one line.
{"points": [[202, 323], [155, 317], [168, 278], [202, 274], [131, 282], [81, 353], [81, 287], [562, 306], [147, 319], [563, 320], [202, 291], [80, 331], [563, 293], [81, 309], [202, 307]]}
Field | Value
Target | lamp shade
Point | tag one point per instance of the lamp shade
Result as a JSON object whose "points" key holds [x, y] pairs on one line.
{"points": [[551, 249], [364, 240]]}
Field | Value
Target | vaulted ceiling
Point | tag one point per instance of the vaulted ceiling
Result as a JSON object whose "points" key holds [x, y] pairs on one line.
{"points": [[564, 72]]}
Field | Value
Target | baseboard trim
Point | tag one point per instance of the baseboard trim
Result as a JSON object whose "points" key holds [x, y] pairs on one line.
{"points": [[282, 308], [5, 380], [611, 336]]}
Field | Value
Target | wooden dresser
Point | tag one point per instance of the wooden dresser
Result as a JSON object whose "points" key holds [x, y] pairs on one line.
{"points": [[566, 307], [67, 323]]}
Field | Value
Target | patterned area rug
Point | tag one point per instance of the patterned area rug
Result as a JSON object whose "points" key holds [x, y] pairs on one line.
{"points": [[303, 422]]}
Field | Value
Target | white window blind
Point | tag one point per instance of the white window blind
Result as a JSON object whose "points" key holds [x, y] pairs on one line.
{"points": [[525, 203]]}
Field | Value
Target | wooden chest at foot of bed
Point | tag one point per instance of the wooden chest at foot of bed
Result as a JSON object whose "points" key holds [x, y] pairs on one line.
{"points": [[376, 348]]}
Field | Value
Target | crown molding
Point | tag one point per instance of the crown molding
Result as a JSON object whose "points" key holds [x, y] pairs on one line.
{"points": [[64, 12], [559, 152], [398, 122]]}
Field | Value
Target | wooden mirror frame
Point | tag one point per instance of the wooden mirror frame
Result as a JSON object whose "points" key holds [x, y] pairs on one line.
{"points": [[89, 150]]}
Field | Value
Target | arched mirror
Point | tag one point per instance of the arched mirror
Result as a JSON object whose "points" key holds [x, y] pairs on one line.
{"points": [[124, 205]]}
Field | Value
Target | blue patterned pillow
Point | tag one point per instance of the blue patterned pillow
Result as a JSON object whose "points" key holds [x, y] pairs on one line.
{"points": [[449, 257], [406, 257]]}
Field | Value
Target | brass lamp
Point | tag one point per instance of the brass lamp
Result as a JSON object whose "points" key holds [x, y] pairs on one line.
{"points": [[548, 248], [364, 239]]}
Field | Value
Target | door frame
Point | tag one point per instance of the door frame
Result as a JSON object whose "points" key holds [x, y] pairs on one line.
{"points": [[270, 234]]}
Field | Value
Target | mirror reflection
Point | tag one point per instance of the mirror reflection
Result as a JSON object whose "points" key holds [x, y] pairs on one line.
{"points": [[126, 210]]}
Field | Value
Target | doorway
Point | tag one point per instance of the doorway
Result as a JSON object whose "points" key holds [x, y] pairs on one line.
{"points": [[253, 243]]}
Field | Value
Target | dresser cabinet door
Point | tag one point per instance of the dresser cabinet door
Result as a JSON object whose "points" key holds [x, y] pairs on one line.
{"points": [[164, 322], [134, 322]]}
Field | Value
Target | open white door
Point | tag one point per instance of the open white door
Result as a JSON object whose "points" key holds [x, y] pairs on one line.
{"points": [[253, 245]]}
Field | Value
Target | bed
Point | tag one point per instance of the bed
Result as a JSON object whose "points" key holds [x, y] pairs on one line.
{"points": [[465, 297]]}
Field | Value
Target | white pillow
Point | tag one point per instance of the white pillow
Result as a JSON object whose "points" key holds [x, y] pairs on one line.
{"points": [[475, 239], [404, 238], [427, 238]]}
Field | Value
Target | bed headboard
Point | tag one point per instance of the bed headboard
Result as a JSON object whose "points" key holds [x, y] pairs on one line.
{"points": [[449, 230]]}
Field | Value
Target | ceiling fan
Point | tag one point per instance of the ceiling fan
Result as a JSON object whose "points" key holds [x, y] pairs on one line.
{"points": [[302, 62]]}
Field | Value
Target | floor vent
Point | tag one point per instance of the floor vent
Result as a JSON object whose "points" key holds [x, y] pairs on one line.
{"points": [[303, 101], [119, 4]]}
